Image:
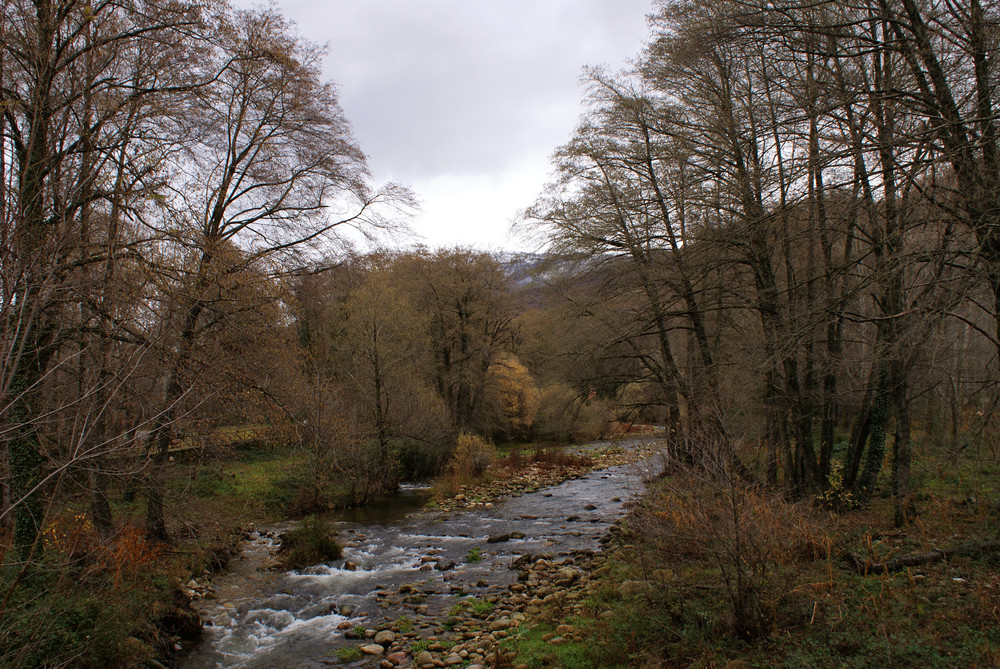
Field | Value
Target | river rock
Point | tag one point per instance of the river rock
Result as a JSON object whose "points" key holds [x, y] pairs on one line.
{"points": [[522, 561], [590, 507], [385, 637], [444, 565], [567, 574], [632, 588], [498, 538], [372, 649], [453, 659], [397, 658], [424, 658], [739, 664]]}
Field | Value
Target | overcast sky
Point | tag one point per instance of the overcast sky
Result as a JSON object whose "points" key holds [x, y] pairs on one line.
{"points": [[465, 100]]}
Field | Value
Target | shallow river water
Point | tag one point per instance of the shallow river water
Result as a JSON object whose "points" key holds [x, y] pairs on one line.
{"points": [[267, 618]]}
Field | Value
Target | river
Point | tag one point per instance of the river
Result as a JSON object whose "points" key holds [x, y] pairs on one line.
{"points": [[262, 617]]}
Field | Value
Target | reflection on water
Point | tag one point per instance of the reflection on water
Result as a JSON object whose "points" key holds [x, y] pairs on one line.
{"points": [[411, 497]]}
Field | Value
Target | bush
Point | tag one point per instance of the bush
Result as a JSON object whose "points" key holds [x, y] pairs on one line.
{"points": [[417, 459], [707, 514], [91, 603], [469, 462], [555, 419], [564, 416], [310, 542], [472, 456], [559, 457]]}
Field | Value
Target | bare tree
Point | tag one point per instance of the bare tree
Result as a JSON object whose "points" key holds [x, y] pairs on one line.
{"points": [[273, 171], [74, 91]]}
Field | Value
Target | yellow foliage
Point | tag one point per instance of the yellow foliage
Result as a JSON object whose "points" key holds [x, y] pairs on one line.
{"points": [[512, 396]]}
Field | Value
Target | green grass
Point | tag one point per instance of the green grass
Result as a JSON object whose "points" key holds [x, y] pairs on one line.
{"points": [[350, 654], [310, 542], [480, 607], [260, 476], [531, 647], [477, 606], [475, 555]]}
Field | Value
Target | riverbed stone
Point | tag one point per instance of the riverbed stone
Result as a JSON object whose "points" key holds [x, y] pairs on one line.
{"points": [[632, 588], [372, 649], [521, 561], [397, 658], [385, 637]]}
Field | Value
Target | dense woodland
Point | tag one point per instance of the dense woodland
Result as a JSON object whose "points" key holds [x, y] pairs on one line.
{"points": [[777, 236]]}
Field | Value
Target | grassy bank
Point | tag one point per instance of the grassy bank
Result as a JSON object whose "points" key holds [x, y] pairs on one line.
{"points": [[117, 601], [706, 575]]}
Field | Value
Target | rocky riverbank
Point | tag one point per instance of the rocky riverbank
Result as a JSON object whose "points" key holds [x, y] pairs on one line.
{"points": [[548, 588], [533, 476]]}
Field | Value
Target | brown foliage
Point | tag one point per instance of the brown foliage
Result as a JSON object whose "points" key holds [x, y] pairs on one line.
{"points": [[706, 515]]}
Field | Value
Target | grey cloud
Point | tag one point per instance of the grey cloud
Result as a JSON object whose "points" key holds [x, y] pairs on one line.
{"points": [[440, 86]]}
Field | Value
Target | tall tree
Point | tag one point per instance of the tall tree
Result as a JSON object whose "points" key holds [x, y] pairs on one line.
{"points": [[76, 76], [273, 172]]}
